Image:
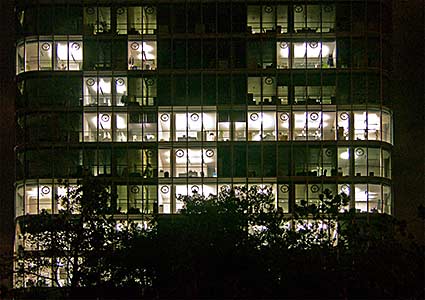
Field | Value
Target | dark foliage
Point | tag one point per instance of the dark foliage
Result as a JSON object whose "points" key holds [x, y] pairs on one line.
{"points": [[236, 245]]}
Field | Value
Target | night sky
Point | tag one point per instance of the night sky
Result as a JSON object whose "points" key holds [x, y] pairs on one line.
{"points": [[408, 106]]}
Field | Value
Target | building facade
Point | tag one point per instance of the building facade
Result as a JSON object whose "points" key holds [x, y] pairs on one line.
{"points": [[168, 98]]}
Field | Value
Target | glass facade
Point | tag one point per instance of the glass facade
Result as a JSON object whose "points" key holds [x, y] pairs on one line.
{"points": [[172, 98]]}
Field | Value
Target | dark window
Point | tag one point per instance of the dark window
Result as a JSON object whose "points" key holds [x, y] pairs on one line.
{"points": [[179, 85], [194, 20], [238, 53], [224, 18], [164, 54], [209, 17], [224, 161], [179, 54], [284, 162], [105, 54], [238, 17], [239, 88], [179, 18], [164, 90], [194, 90], [209, 89], [45, 19], [208, 50], [68, 20], [254, 160], [224, 89], [239, 160], [269, 160], [194, 54]]}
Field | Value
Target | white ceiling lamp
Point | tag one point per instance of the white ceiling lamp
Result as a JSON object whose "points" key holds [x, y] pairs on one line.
{"points": [[345, 155]]}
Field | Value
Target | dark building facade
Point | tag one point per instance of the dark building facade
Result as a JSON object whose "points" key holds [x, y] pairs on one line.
{"points": [[175, 97]]}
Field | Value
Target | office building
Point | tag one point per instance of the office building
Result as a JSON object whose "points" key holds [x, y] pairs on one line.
{"points": [[175, 97]]}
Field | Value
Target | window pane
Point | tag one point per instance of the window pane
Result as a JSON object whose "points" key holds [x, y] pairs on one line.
{"points": [[45, 55], [142, 55], [31, 56]]}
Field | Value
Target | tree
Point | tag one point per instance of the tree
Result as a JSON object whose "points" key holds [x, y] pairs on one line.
{"points": [[75, 247], [238, 244], [213, 244]]}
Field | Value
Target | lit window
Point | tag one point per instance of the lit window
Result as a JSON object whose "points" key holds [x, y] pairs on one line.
{"points": [[69, 55], [368, 198], [314, 54], [195, 126], [367, 126], [195, 162], [261, 126], [142, 55]]}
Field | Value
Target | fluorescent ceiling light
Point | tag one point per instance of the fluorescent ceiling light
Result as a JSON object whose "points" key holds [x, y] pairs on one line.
{"points": [[345, 155], [284, 53]]}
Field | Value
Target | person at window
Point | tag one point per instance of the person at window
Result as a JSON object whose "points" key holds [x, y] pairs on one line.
{"points": [[124, 99], [330, 60]]}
